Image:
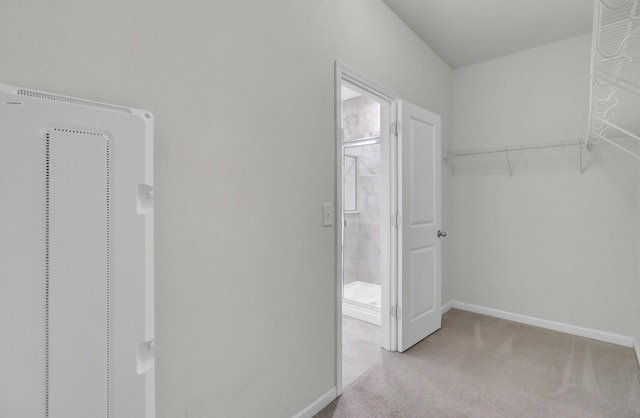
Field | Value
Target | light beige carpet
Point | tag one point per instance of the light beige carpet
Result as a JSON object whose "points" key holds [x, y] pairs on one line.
{"points": [[478, 366]]}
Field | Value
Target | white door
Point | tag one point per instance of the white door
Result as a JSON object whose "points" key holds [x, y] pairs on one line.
{"points": [[419, 248]]}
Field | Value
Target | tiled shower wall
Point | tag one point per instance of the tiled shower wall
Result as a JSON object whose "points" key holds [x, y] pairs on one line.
{"points": [[362, 234], [360, 118]]}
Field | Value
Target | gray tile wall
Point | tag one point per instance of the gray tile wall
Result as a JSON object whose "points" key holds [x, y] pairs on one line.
{"points": [[362, 234], [360, 118]]}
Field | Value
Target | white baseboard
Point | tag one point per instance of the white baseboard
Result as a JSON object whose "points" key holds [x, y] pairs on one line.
{"points": [[362, 314], [318, 405], [543, 323], [447, 307], [637, 350]]}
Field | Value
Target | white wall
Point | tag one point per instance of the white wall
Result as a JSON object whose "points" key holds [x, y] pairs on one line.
{"points": [[548, 242], [243, 97], [636, 335]]}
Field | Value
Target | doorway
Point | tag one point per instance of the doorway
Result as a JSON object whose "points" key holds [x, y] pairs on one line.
{"points": [[362, 231], [366, 239], [387, 240]]}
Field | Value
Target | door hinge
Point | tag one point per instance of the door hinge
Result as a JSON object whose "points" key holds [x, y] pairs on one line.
{"points": [[396, 311], [396, 128], [396, 220]]}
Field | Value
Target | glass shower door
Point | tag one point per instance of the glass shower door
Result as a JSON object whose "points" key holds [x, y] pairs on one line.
{"points": [[362, 227]]}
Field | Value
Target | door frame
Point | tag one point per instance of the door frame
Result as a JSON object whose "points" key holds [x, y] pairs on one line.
{"points": [[387, 98]]}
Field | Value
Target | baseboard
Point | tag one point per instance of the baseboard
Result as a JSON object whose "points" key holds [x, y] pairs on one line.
{"points": [[552, 325], [361, 313], [447, 307], [637, 350], [318, 405]]}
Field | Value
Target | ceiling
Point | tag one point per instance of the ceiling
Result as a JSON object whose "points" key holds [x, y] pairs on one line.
{"points": [[464, 32]]}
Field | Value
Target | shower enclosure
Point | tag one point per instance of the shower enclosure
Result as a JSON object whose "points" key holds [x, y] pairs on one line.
{"points": [[362, 192], [362, 230]]}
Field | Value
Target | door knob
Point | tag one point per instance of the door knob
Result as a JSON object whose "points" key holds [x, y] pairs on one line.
{"points": [[441, 234]]}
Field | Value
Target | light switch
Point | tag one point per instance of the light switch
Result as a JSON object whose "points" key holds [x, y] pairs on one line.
{"points": [[327, 213]]}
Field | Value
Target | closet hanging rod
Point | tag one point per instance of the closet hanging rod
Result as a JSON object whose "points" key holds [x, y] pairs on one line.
{"points": [[515, 148]]}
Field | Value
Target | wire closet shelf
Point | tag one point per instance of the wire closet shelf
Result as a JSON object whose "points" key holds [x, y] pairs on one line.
{"points": [[517, 148], [614, 107], [615, 76]]}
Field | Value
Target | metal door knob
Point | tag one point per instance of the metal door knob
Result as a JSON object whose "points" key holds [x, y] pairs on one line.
{"points": [[441, 234]]}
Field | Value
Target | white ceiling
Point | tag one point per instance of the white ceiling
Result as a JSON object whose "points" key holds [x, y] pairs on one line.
{"points": [[464, 32]]}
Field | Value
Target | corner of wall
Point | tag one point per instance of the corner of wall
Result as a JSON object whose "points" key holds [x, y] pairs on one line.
{"points": [[318, 405], [446, 307]]}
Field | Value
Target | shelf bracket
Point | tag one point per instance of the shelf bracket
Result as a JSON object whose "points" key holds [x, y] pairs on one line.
{"points": [[509, 163]]}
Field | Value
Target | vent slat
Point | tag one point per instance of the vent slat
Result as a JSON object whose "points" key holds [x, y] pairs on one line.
{"points": [[70, 100]]}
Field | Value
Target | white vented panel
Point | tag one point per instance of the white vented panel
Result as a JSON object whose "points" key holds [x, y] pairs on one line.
{"points": [[76, 258], [78, 273]]}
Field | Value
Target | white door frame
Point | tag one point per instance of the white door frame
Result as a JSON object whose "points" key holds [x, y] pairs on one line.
{"points": [[387, 98]]}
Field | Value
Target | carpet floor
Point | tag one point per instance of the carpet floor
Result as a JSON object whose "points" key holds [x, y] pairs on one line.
{"points": [[478, 366]]}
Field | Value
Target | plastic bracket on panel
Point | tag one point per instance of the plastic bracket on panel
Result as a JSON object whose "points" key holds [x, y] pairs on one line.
{"points": [[145, 199], [145, 356]]}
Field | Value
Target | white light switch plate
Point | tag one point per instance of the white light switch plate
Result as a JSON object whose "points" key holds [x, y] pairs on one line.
{"points": [[327, 214]]}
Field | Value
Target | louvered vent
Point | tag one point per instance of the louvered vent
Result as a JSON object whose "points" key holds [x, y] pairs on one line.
{"points": [[71, 100], [68, 239]]}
